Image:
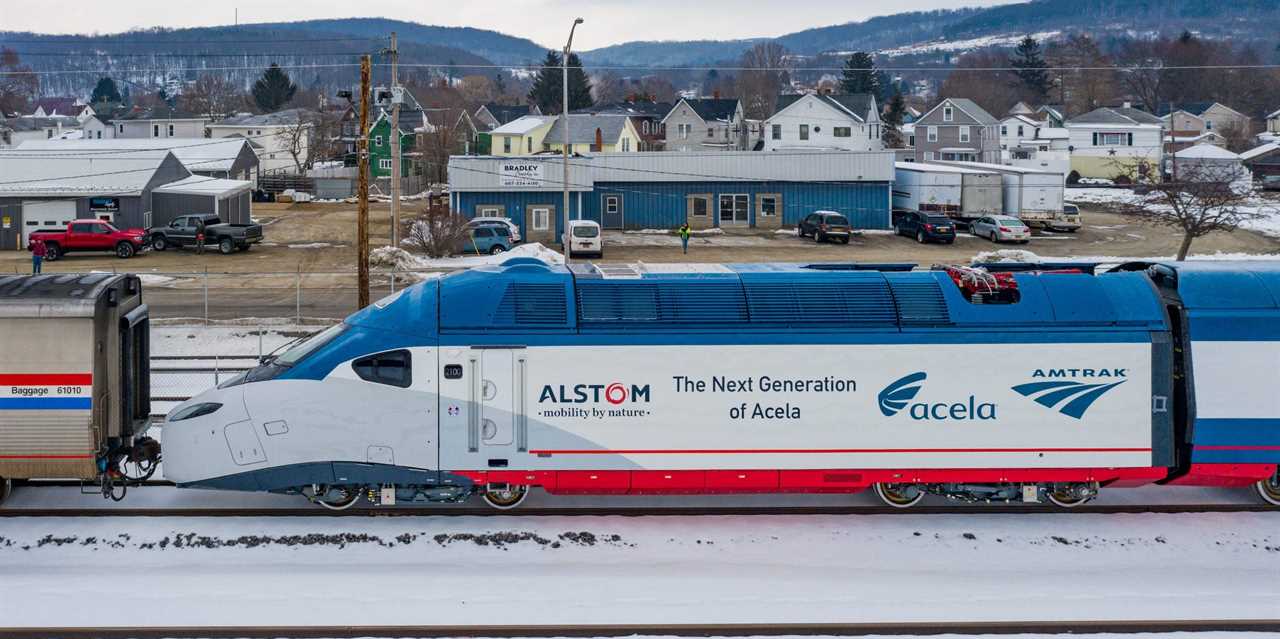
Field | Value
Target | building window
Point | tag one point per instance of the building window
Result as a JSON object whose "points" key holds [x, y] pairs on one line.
{"points": [[528, 145], [384, 164], [804, 132], [506, 144], [964, 134], [170, 130], [489, 211], [155, 130], [733, 209], [928, 156], [122, 128], [776, 131], [611, 204], [1112, 139], [377, 140], [626, 144], [931, 133], [911, 140], [1208, 125], [768, 205], [701, 205], [684, 130], [842, 131], [541, 219], [1004, 130], [948, 114]]}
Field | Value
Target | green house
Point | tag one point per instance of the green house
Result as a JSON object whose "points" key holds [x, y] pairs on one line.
{"points": [[380, 144]]}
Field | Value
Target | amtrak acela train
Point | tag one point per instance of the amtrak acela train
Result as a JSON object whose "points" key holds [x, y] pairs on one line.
{"points": [[762, 378]]}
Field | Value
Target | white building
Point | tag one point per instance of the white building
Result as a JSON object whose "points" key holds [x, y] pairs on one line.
{"points": [[273, 135], [160, 122], [1116, 142], [824, 122], [96, 129], [1033, 144]]}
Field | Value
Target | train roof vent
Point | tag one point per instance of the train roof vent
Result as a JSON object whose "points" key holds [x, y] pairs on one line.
{"points": [[529, 304], [618, 271], [919, 301], [646, 303], [861, 302]]}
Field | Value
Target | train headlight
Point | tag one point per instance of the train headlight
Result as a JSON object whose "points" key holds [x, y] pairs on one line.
{"points": [[194, 410]]}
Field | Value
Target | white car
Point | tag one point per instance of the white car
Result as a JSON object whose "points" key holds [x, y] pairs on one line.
{"points": [[1001, 228], [513, 230], [585, 238]]}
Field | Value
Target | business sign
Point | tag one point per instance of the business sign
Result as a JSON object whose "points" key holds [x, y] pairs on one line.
{"points": [[6, 222], [104, 204], [521, 173]]}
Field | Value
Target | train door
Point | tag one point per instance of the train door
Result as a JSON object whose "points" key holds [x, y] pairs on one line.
{"points": [[499, 426]]}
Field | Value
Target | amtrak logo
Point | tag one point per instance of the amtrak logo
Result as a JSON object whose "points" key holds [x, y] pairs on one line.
{"points": [[897, 395], [1070, 397]]}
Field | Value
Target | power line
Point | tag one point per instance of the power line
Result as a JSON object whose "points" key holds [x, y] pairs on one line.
{"points": [[110, 40]]}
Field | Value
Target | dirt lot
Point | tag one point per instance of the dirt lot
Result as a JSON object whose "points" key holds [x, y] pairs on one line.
{"points": [[320, 237]]}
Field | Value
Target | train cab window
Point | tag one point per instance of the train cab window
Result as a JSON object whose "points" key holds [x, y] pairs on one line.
{"points": [[394, 368]]}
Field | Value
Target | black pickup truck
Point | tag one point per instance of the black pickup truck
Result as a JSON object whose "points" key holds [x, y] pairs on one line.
{"points": [[184, 230]]}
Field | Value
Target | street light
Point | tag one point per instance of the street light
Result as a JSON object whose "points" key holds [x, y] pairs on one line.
{"points": [[564, 116]]}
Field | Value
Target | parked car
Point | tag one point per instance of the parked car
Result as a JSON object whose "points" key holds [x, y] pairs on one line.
{"points": [[585, 238], [925, 227], [492, 239], [1271, 183], [1001, 228], [184, 230], [1068, 220], [825, 225], [513, 230], [91, 235]]}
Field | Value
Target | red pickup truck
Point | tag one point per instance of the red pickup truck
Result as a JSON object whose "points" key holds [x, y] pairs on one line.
{"points": [[91, 235]]}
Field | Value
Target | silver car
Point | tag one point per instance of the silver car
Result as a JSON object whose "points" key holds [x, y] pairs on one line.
{"points": [[1001, 228]]}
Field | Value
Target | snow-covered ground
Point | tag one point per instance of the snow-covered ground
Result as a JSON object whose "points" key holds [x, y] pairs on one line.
{"points": [[1269, 223], [1023, 255], [960, 46], [391, 257], [640, 570]]}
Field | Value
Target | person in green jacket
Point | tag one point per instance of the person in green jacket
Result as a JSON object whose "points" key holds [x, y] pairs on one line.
{"points": [[684, 237]]}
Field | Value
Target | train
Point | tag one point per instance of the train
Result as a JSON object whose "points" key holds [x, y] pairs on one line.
{"points": [[1027, 383]]}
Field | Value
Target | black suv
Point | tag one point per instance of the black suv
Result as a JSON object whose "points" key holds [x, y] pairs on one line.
{"points": [[825, 225], [925, 227]]}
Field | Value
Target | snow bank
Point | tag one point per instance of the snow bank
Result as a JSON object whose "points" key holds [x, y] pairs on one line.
{"points": [[400, 259], [1025, 256], [711, 231], [149, 279], [1257, 202]]}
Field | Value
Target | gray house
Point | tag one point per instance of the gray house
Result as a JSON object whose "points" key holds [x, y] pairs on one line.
{"points": [[957, 130], [706, 124]]}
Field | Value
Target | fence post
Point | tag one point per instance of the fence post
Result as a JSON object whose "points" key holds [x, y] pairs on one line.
{"points": [[297, 307], [206, 296]]}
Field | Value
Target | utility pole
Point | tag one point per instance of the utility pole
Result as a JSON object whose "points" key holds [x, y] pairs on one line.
{"points": [[396, 99], [362, 209], [564, 117]]}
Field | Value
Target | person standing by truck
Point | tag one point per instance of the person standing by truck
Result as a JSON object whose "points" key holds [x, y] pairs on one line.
{"points": [[38, 252], [684, 237]]}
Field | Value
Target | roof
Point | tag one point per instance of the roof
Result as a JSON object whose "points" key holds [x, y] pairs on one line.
{"points": [[710, 109], [197, 154], [201, 185], [446, 116], [523, 125], [1002, 168], [1024, 119], [59, 105], [925, 167], [1206, 152], [37, 124], [1274, 114], [976, 112], [59, 294], [1260, 150], [33, 172], [640, 109], [1020, 108], [288, 117], [857, 105], [164, 112], [582, 128], [506, 113], [1194, 108], [1120, 116]]}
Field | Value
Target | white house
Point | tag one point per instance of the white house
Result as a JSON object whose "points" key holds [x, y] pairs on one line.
{"points": [[824, 122], [96, 129], [1016, 128], [15, 131], [160, 122], [1033, 144], [1116, 142], [273, 136]]}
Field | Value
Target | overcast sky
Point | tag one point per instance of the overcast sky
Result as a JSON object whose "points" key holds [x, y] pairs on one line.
{"points": [[543, 21]]}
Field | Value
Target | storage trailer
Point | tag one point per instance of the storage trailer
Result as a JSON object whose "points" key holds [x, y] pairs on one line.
{"points": [[959, 193], [75, 399], [1032, 195]]}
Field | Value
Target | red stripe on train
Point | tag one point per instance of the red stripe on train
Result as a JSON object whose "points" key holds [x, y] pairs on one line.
{"points": [[816, 451], [46, 379]]}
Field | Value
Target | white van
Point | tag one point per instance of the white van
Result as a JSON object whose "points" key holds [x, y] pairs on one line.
{"points": [[585, 239]]}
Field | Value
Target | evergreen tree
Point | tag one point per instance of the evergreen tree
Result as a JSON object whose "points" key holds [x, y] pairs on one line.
{"points": [[273, 90], [499, 85], [105, 91], [860, 75], [892, 121], [1032, 71], [548, 85]]}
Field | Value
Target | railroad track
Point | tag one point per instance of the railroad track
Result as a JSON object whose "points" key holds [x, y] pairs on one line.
{"points": [[678, 630]]}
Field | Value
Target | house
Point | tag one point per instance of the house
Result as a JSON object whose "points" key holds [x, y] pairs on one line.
{"points": [[492, 115], [1200, 117], [97, 127], [277, 136], [1052, 114], [645, 116], [455, 122], [822, 121], [593, 134], [706, 189], [1116, 142], [160, 122], [135, 188], [1206, 162], [15, 131], [226, 158], [1046, 149], [411, 122], [707, 124], [1273, 122], [1262, 160], [522, 136], [60, 106], [957, 129], [1015, 128]]}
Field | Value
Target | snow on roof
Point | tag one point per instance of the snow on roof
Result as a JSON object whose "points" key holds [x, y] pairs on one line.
{"points": [[31, 171], [201, 185], [1259, 150], [925, 167], [1000, 167], [523, 124], [1206, 151], [197, 154]]}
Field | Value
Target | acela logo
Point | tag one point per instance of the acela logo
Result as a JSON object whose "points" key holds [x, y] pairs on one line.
{"points": [[614, 393], [1074, 397], [898, 395]]}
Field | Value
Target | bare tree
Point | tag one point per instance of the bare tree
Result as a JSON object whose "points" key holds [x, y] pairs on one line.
{"points": [[973, 78], [1141, 63], [1202, 198], [761, 81], [477, 90], [295, 139], [1238, 136], [439, 232], [608, 88], [1086, 81], [212, 96], [441, 139], [17, 83]]}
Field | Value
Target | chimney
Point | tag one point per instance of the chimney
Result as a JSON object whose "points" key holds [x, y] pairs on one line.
{"points": [[599, 140], [716, 94]]}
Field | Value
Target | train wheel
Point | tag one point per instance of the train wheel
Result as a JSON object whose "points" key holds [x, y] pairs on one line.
{"points": [[899, 495], [1072, 495], [1269, 489], [506, 498], [349, 496], [6, 488]]}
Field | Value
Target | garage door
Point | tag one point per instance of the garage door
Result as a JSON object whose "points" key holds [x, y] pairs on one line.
{"points": [[46, 215]]}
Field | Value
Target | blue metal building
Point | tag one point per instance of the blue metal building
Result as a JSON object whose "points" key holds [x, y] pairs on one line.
{"points": [[665, 190]]}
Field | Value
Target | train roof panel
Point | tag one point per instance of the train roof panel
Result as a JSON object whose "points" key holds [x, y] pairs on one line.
{"points": [[59, 294], [1228, 285]]}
